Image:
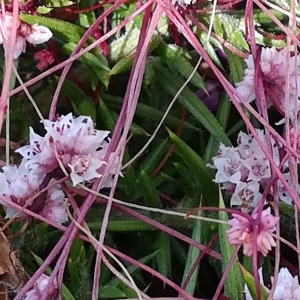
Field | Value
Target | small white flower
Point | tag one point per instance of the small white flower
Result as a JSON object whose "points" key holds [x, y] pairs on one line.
{"points": [[84, 168], [55, 208], [287, 287], [274, 66], [34, 34], [284, 196], [259, 168], [229, 165], [20, 46], [246, 194], [39, 35]]}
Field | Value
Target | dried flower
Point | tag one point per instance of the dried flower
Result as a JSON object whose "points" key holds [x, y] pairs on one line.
{"points": [[44, 58]]}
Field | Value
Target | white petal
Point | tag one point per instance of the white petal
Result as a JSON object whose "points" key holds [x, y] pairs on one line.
{"points": [[20, 46], [39, 35]]}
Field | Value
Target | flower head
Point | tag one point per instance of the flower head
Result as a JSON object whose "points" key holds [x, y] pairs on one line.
{"points": [[72, 141], [21, 185], [55, 207], [274, 66], [38, 35], [34, 34], [287, 287], [241, 232], [246, 195]]}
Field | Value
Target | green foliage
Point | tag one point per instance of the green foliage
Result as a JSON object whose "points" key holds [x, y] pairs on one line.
{"points": [[233, 287], [249, 279], [96, 85]]}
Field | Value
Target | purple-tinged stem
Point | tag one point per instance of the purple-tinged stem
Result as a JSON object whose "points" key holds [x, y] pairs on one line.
{"points": [[76, 51], [153, 272], [9, 52], [130, 102], [177, 19], [225, 274]]}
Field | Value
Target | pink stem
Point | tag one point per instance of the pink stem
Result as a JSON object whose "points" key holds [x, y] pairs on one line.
{"points": [[137, 71], [9, 52], [66, 69]]}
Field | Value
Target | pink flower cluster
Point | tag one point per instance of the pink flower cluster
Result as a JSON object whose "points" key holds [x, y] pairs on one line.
{"points": [[242, 170], [69, 143], [34, 34], [241, 232], [287, 287], [274, 65]]}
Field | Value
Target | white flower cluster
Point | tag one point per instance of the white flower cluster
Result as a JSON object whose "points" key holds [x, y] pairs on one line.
{"points": [[34, 34], [244, 169], [287, 287], [274, 66], [70, 142]]}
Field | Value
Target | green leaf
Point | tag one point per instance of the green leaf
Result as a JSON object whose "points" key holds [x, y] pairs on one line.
{"points": [[81, 103], [146, 111], [76, 248], [109, 118], [123, 65], [66, 294], [172, 83], [192, 256], [148, 190], [73, 271], [164, 255], [237, 66], [86, 19], [58, 3], [249, 279], [210, 49], [132, 270], [222, 116], [197, 166], [176, 59], [98, 63], [186, 183], [43, 10], [232, 33], [154, 157], [233, 287], [68, 36], [110, 292]]}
